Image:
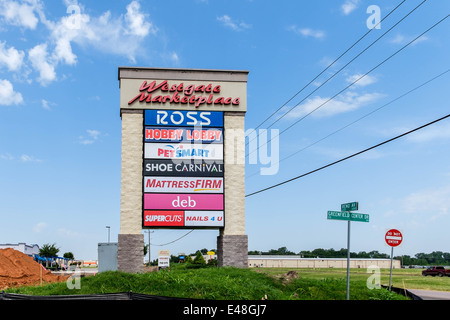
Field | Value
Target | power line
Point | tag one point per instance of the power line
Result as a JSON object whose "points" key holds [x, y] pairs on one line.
{"points": [[164, 244], [348, 157], [357, 56], [364, 116], [331, 64], [351, 84]]}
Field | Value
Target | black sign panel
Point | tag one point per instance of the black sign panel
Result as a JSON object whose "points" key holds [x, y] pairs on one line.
{"points": [[185, 168]]}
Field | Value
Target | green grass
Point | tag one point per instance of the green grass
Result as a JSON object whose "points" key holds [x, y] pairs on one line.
{"points": [[401, 278], [222, 284]]}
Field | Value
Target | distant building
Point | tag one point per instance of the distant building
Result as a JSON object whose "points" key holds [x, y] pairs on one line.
{"points": [[28, 249], [280, 261]]}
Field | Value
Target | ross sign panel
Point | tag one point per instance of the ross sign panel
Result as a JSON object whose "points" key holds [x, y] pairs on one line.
{"points": [[187, 201], [351, 206], [348, 216], [183, 168], [182, 134], [153, 150], [393, 238], [183, 118], [183, 185], [164, 218]]}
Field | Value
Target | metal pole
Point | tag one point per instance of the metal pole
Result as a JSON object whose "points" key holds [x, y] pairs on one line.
{"points": [[390, 275], [108, 227], [348, 260]]}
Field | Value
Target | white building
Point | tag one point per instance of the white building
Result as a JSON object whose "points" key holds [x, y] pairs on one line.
{"points": [[28, 249]]}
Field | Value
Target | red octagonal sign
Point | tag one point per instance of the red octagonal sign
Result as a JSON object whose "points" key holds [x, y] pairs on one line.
{"points": [[393, 238]]}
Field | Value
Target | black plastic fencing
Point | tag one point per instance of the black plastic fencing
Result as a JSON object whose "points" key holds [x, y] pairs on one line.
{"points": [[107, 296]]}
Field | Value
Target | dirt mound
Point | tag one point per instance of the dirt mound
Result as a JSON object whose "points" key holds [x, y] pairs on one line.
{"points": [[18, 269]]}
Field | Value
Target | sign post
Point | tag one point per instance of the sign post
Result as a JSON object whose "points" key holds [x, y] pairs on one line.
{"points": [[393, 238], [347, 215]]}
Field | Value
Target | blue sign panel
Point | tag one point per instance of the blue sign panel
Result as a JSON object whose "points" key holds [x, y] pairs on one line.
{"points": [[183, 118], [183, 134]]}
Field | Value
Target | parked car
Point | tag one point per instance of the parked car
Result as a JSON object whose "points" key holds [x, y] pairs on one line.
{"points": [[436, 271]]}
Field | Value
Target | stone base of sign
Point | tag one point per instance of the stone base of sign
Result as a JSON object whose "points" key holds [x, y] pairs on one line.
{"points": [[232, 251], [130, 253]]}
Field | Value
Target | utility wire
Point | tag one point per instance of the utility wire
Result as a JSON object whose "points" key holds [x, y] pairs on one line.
{"points": [[359, 119], [357, 56], [330, 65], [348, 157], [164, 244], [351, 84]]}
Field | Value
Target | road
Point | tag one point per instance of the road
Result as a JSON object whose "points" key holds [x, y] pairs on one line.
{"points": [[431, 295]]}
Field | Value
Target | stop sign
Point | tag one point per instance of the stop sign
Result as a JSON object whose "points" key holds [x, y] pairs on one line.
{"points": [[393, 238]]}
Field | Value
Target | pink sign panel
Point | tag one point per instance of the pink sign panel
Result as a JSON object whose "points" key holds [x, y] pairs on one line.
{"points": [[167, 201]]}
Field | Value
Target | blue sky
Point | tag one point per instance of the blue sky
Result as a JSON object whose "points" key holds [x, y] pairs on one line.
{"points": [[60, 127]]}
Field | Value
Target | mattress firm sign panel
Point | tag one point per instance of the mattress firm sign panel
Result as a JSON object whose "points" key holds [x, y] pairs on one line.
{"points": [[183, 169]]}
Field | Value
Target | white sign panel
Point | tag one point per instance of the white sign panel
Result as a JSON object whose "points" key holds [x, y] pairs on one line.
{"points": [[203, 219], [183, 185], [183, 151]]}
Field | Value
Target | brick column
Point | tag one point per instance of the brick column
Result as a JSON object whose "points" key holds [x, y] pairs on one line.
{"points": [[130, 251]]}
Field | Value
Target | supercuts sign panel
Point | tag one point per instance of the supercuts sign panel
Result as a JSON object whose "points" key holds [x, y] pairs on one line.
{"points": [[198, 119], [168, 219], [183, 168], [183, 134], [183, 151], [183, 185]]}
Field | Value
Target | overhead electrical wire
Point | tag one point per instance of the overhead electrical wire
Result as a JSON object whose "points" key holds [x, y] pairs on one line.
{"points": [[360, 118], [361, 77], [357, 56], [164, 244], [331, 64], [348, 157]]}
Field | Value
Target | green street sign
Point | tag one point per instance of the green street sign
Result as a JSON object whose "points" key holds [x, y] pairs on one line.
{"points": [[348, 216], [351, 206]]}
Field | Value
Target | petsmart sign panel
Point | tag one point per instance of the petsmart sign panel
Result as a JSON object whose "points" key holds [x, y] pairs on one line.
{"points": [[183, 151]]}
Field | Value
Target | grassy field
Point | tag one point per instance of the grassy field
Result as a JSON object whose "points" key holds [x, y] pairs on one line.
{"points": [[401, 278], [245, 284]]}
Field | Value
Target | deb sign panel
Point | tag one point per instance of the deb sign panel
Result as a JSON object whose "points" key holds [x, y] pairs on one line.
{"points": [[183, 184]]}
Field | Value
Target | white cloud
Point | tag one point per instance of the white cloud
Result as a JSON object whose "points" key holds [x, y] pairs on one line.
{"points": [[348, 6], [365, 81], [40, 62], [319, 107], [47, 104], [137, 24], [10, 58], [437, 132], [39, 227], [19, 14], [419, 203], [27, 158], [7, 94], [403, 39], [93, 136], [6, 156], [307, 32], [234, 25]]}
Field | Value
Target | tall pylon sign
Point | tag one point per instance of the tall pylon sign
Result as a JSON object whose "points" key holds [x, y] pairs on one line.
{"points": [[183, 158]]}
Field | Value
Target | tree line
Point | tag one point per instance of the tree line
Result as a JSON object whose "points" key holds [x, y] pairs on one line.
{"points": [[433, 258]]}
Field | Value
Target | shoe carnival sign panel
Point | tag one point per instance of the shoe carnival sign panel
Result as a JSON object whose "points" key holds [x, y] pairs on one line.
{"points": [[183, 168], [183, 185]]}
